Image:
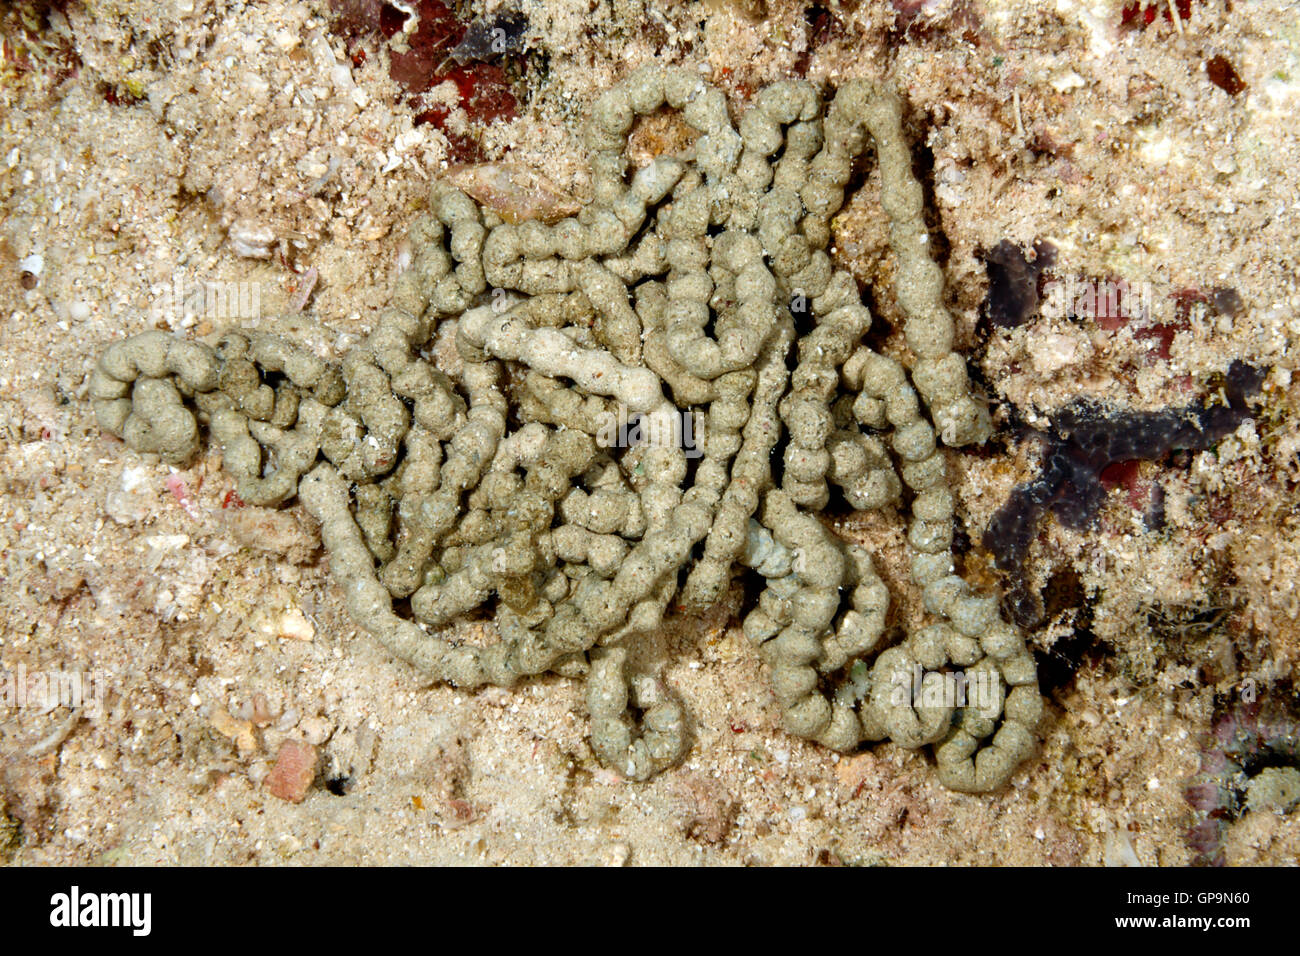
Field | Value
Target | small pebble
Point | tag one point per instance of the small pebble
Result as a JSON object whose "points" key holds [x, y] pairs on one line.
{"points": [[295, 626], [240, 732], [317, 730], [615, 854], [294, 771], [251, 240]]}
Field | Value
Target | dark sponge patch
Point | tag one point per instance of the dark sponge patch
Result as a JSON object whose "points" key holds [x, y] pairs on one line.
{"points": [[1013, 281], [1086, 437]]}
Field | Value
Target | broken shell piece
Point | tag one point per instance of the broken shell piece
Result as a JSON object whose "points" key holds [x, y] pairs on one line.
{"points": [[295, 625], [515, 193], [270, 621], [250, 240], [239, 732]]}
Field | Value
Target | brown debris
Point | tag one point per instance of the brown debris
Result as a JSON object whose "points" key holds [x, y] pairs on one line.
{"points": [[1224, 75]]}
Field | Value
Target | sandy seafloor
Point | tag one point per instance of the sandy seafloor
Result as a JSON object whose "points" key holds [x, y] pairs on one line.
{"points": [[220, 635]]}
